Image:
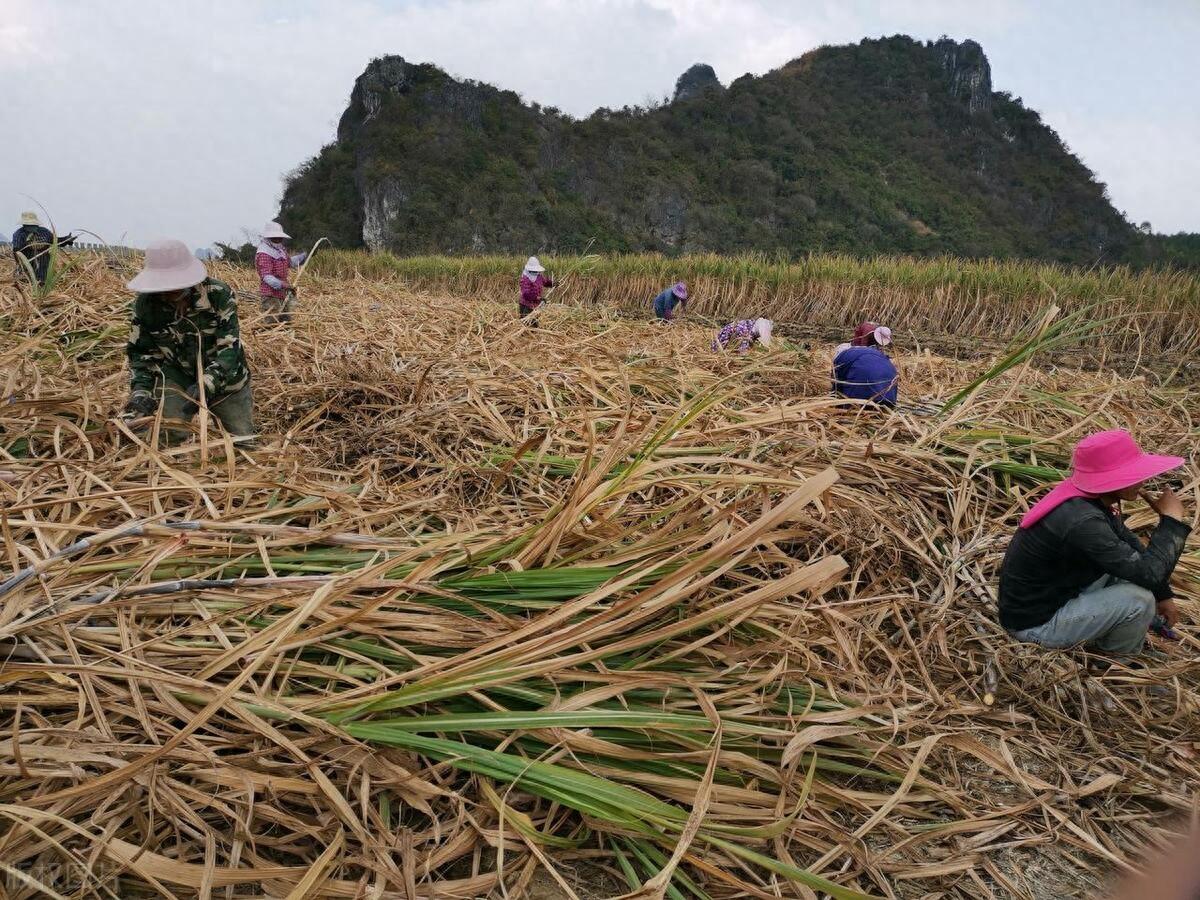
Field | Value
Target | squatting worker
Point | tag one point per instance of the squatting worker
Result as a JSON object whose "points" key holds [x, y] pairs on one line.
{"points": [[534, 281], [271, 259], [1074, 574], [747, 332], [665, 303], [862, 371], [185, 333], [32, 243]]}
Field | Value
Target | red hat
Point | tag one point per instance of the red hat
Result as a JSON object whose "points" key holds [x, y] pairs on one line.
{"points": [[868, 334]]}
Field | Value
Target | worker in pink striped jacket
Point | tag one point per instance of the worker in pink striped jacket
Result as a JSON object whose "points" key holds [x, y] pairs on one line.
{"points": [[272, 261]]}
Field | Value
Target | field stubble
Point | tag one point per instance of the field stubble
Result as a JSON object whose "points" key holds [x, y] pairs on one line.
{"points": [[954, 306], [491, 600]]}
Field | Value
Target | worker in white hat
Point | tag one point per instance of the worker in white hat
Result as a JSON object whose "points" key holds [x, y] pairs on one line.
{"points": [[185, 344], [32, 245], [272, 261], [535, 281]]}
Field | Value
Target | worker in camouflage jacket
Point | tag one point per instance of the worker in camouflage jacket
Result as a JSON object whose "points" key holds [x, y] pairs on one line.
{"points": [[185, 344]]}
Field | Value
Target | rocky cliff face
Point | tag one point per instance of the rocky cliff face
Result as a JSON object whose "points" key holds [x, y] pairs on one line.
{"points": [[383, 78], [695, 81], [969, 74], [887, 146]]}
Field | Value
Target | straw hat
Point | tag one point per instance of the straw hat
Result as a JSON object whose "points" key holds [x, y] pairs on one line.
{"points": [[534, 265], [169, 266], [29, 218], [275, 230]]}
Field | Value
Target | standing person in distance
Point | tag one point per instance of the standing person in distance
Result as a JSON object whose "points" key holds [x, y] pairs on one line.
{"points": [[271, 259], [1074, 573], [534, 282], [32, 245], [185, 332], [665, 303]]}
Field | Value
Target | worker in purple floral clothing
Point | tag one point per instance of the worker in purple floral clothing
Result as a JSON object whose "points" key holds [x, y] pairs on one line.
{"points": [[747, 331], [534, 281]]}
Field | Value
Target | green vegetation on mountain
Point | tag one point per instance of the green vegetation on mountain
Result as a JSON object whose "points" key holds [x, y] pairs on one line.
{"points": [[887, 146]]}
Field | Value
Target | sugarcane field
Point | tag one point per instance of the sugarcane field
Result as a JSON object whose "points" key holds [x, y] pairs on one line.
{"points": [[582, 609], [606, 450]]}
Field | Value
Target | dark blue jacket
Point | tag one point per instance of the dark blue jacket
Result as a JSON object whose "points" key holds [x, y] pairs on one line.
{"points": [[665, 303], [866, 373], [32, 243]]}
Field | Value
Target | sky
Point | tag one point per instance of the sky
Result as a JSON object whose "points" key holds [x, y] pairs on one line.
{"points": [[146, 119]]}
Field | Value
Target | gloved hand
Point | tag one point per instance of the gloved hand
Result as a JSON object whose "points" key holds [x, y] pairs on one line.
{"points": [[140, 404]]}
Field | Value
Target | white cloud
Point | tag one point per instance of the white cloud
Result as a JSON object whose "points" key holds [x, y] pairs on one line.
{"points": [[25, 36], [144, 119]]}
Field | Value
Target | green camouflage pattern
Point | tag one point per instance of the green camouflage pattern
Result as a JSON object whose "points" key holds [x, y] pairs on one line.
{"points": [[165, 339]]}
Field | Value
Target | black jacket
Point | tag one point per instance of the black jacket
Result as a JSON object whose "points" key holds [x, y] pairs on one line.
{"points": [[32, 242], [1054, 561]]}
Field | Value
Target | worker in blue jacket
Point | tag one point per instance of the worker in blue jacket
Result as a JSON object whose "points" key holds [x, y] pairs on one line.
{"points": [[665, 303], [862, 371]]}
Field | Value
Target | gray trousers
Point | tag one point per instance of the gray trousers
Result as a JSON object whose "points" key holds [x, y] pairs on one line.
{"points": [[1110, 615], [278, 310], [234, 411]]}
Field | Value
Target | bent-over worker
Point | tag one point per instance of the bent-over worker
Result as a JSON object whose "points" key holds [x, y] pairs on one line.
{"points": [[747, 332], [534, 282], [862, 371], [271, 259], [665, 303], [1074, 573], [185, 334]]}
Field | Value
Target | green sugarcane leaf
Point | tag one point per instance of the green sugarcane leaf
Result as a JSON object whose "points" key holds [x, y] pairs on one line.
{"points": [[590, 718], [816, 882], [599, 797]]}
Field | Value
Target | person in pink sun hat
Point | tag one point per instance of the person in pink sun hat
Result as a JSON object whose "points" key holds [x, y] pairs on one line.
{"points": [[1074, 573]]}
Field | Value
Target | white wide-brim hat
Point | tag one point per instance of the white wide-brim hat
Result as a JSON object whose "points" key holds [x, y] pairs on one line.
{"points": [[534, 265], [30, 218], [169, 266], [275, 230], [763, 328]]}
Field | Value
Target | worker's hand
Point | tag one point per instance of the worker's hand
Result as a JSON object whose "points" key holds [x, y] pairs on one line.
{"points": [[140, 404], [1167, 504], [1169, 611]]}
